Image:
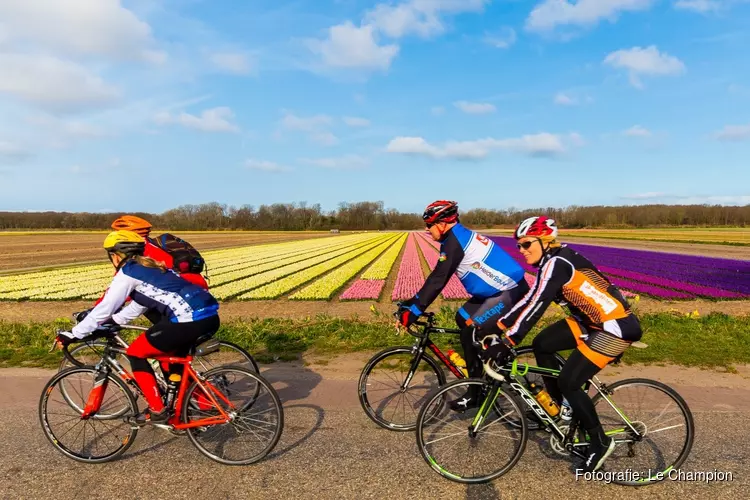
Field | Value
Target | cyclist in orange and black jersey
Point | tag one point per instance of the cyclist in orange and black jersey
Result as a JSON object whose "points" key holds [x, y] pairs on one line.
{"points": [[600, 328]]}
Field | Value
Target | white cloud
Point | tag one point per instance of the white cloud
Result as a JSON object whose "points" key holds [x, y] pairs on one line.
{"points": [[232, 62], [12, 153], [576, 139], [309, 124], [348, 46], [549, 14], [644, 61], [664, 198], [502, 40], [86, 27], [637, 131], [644, 196], [734, 133], [210, 120], [437, 110], [343, 162], [67, 129], [565, 100], [543, 144], [316, 127], [701, 6], [265, 166], [475, 108], [353, 121], [418, 17], [52, 83]]}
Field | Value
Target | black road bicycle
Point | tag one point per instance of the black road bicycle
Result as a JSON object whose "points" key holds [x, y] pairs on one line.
{"points": [[650, 422], [396, 382]]}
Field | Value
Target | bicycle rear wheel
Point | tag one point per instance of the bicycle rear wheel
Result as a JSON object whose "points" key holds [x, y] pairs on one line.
{"points": [[227, 353], [257, 417], [380, 384], [655, 436], [99, 438], [448, 446]]}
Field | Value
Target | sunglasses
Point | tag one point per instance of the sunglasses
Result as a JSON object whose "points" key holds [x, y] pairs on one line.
{"points": [[525, 245]]}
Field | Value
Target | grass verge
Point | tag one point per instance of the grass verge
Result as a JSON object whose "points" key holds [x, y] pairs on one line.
{"points": [[715, 340]]}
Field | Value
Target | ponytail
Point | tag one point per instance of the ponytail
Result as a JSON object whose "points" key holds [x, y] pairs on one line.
{"points": [[149, 262]]}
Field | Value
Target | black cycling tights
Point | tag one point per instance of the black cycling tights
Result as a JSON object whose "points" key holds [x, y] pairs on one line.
{"points": [[576, 371]]}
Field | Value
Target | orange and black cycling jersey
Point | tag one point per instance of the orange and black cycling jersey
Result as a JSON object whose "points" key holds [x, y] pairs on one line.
{"points": [[569, 279]]}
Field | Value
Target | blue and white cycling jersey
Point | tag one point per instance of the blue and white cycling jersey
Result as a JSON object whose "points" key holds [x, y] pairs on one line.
{"points": [[485, 269], [149, 288]]}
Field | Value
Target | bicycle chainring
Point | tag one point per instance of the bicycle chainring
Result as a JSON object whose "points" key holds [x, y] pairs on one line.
{"points": [[557, 445]]}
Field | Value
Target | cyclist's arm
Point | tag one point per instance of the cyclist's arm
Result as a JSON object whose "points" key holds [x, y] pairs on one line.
{"points": [[117, 293], [129, 313], [551, 278], [451, 255]]}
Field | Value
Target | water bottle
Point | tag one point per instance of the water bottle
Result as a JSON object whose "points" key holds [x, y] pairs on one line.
{"points": [[545, 400], [457, 360], [566, 412], [174, 383]]}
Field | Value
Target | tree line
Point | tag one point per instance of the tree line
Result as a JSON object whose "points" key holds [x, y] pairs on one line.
{"points": [[369, 215]]}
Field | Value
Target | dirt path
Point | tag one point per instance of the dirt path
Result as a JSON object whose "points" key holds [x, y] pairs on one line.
{"points": [[329, 449]]}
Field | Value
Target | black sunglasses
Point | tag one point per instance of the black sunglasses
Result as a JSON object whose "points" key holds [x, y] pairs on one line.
{"points": [[525, 245]]}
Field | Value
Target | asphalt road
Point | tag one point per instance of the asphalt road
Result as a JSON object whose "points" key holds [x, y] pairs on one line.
{"points": [[329, 449]]}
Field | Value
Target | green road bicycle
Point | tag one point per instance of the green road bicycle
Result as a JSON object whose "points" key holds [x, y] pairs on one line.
{"points": [[650, 422]]}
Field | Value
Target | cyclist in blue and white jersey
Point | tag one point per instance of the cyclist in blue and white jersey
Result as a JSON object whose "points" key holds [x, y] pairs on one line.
{"points": [[493, 278], [188, 313]]}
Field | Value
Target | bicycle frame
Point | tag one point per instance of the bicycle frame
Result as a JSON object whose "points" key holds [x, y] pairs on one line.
{"points": [[109, 362], [424, 342], [566, 438]]}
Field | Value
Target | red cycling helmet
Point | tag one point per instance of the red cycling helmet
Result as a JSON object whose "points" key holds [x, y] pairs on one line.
{"points": [[536, 226], [440, 211]]}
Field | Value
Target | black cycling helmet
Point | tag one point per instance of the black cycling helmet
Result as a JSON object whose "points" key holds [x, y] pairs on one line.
{"points": [[440, 211]]}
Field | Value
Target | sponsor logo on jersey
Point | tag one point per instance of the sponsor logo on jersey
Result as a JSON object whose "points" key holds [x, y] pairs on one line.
{"points": [[483, 240], [607, 303], [487, 272], [490, 313], [442, 257]]}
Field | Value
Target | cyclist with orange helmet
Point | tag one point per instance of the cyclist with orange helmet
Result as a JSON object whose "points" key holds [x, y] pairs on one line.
{"points": [[143, 228], [601, 325], [187, 312], [493, 278]]}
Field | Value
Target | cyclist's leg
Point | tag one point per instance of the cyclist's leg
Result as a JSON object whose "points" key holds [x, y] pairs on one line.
{"points": [[600, 348], [464, 322], [558, 336]]}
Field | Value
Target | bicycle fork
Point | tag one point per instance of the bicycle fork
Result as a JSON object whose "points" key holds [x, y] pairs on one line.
{"points": [[96, 395]]}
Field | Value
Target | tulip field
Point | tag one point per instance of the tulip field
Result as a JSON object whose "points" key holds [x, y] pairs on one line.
{"points": [[388, 266]]}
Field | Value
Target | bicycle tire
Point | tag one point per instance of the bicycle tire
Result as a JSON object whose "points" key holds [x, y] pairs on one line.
{"points": [[367, 371], [427, 416], [252, 365], [681, 404], [194, 432], [124, 443]]}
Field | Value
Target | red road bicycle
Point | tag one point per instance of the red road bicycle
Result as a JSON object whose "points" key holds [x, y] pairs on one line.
{"points": [[231, 414]]}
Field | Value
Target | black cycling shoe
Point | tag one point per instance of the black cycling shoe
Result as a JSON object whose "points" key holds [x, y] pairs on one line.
{"points": [[597, 454], [471, 399], [148, 417]]}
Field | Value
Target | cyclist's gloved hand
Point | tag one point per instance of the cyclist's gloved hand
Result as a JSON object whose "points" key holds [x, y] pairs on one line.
{"points": [[65, 338], [495, 348], [407, 313]]}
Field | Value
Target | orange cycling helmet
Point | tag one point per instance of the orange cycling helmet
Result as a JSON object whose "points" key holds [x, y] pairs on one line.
{"points": [[132, 223]]}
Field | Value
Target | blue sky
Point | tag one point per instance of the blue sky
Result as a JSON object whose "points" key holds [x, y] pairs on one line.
{"points": [[148, 104]]}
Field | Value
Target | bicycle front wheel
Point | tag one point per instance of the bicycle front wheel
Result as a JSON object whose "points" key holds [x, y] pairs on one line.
{"points": [[653, 428], [451, 445], [382, 391], [256, 415], [99, 438]]}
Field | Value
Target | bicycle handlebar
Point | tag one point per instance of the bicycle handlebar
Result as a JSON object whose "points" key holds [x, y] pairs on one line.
{"points": [[492, 373]]}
